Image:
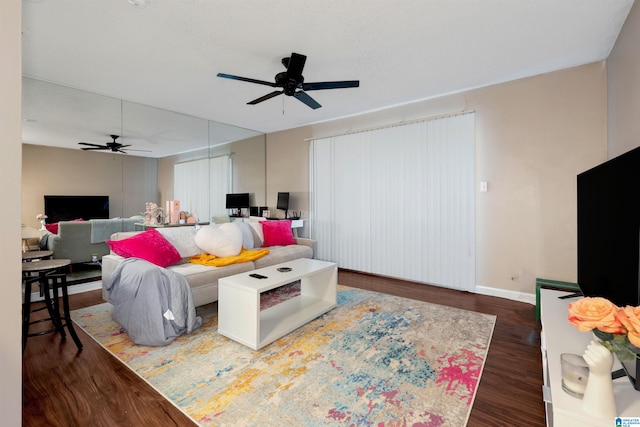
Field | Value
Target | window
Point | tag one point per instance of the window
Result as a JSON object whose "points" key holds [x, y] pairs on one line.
{"points": [[201, 186], [398, 201]]}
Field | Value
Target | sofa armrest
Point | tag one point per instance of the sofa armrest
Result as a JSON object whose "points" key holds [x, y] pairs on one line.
{"points": [[109, 264], [120, 235], [307, 242]]}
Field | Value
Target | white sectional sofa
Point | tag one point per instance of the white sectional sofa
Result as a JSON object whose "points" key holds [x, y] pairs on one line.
{"points": [[202, 279]]}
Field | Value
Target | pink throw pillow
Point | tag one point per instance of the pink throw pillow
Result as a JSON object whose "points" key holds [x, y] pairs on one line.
{"points": [[277, 233], [52, 228], [149, 245]]}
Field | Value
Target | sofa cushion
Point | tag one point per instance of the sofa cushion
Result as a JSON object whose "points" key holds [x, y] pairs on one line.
{"points": [[203, 280], [182, 238], [219, 240], [279, 254], [149, 245], [277, 233], [199, 275]]}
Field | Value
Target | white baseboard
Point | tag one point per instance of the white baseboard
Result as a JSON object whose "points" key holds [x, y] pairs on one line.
{"points": [[74, 289], [482, 290], [503, 293]]}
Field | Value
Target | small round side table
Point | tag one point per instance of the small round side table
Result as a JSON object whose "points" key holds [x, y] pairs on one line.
{"points": [[49, 276], [34, 255]]}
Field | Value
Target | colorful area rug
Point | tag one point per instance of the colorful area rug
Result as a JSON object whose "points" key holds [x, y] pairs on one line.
{"points": [[375, 359]]}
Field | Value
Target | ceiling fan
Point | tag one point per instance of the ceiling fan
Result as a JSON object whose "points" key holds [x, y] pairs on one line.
{"points": [[114, 146], [292, 82]]}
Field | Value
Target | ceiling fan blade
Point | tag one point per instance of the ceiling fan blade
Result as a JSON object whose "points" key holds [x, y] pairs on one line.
{"points": [[264, 98], [96, 148], [296, 65], [331, 85], [246, 79], [302, 96], [92, 145]]}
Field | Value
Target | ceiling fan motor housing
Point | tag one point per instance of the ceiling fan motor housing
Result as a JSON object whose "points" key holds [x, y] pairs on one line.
{"points": [[288, 84]]}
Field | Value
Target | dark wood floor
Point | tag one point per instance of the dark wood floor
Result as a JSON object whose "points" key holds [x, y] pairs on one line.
{"points": [[92, 388]]}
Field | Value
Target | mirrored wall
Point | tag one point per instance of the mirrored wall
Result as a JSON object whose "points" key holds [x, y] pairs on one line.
{"points": [[57, 118]]}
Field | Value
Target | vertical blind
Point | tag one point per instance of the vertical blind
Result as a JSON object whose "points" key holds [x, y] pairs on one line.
{"points": [[398, 201], [201, 186], [220, 183]]}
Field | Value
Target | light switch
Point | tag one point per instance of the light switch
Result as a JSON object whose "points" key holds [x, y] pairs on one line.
{"points": [[483, 186]]}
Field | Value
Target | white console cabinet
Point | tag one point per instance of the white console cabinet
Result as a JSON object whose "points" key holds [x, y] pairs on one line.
{"points": [[559, 336]]}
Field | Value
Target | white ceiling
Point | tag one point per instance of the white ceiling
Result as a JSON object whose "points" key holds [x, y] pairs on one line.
{"points": [[166, 53]]}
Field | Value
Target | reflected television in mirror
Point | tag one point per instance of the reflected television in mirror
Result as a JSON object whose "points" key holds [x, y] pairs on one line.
{"points": [[68, 208], [236, 202]]}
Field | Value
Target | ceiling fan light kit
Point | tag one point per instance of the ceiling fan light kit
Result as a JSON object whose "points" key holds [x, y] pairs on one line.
{"points": [[292, 82]]}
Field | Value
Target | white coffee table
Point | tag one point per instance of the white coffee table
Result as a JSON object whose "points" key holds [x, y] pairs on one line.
{"points": [[239, 315]]}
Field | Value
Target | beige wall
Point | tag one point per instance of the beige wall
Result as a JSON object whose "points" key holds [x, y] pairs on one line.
{"points": [[249, 167], [533, 136], [623, 76], [288, 171], [129, 181], [10, 187]]}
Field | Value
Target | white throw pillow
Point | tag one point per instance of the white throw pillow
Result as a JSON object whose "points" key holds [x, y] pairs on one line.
{"points": [[220, 240], [182, 238], [258, 235], [247, 235]]}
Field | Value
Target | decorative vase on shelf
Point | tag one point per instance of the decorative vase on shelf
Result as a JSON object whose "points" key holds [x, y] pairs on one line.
{"points": [[42, 225], [598, 400]]}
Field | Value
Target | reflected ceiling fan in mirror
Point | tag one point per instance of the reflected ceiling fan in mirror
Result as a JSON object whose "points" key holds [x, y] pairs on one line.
{"points": [[114, 146], [292, 82]]}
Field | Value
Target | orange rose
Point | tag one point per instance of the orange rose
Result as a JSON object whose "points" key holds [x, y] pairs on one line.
{"points": [[595, 313], [630, 318]]}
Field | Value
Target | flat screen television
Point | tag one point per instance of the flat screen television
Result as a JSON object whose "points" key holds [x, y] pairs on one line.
{"points": [[283, 203], [609, 234], [236, 202], [67, 208]]}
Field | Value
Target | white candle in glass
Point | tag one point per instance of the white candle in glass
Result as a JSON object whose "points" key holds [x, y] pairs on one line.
{"points": [[575, 382], [575, 373]]}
